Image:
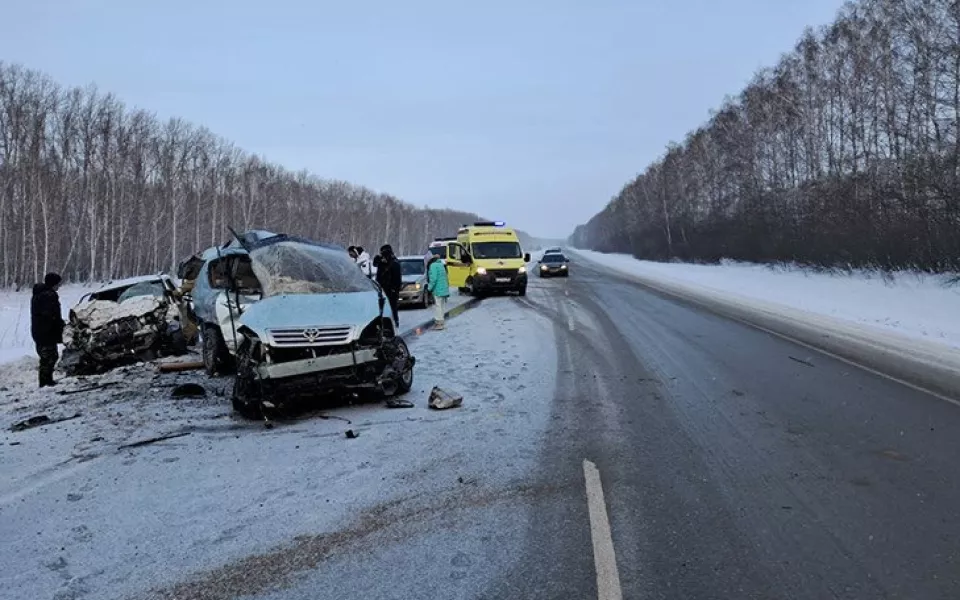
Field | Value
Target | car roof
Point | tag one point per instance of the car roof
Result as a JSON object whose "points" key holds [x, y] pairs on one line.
{"points": [[215, 251], [411, 257], [133, 281]]}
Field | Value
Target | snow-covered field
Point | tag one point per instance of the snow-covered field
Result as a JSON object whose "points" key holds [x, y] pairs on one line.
{"points": [[917, 305], [15, 341]]}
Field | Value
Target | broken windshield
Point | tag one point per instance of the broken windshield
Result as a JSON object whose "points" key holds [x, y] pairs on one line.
{"points": [[293, 267]]}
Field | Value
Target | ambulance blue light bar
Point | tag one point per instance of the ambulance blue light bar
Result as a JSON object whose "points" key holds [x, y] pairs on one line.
{"points": [[489, 224]]}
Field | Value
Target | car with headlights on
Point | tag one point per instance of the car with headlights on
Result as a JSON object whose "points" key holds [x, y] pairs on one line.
{"points": [[554, 265], [414, 292]]}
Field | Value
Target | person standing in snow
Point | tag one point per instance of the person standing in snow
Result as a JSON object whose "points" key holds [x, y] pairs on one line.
{"points": [[46, 325], [390, 278], [439, 286]]}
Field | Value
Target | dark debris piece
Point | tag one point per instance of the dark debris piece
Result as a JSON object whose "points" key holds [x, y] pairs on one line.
{"points": [[188, 390]]}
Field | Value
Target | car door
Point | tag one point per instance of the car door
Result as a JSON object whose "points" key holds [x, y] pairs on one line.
{"points": [[457, 270]]}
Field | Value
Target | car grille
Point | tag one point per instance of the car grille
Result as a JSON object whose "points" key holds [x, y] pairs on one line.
{"points": [[282, 354], [293, 337], [511, 273]]}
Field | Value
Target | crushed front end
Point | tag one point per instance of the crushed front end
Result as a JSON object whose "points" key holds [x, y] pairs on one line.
{"points": [[320, 330], [103, 334]]}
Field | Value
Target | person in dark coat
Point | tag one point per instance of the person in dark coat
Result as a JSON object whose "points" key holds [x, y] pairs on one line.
{"points": [[46, 325], [390, 278]]}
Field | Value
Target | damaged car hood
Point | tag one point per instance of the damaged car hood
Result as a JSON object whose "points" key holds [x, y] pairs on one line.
{"points": [[98, 313], [312, 310]]}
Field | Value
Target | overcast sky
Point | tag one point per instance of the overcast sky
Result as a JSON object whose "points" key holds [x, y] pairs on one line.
{"points": [[531, 111]]}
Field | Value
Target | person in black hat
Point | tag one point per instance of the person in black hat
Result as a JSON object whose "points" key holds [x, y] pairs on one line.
{"points": [[46, 325], [390, 278]]}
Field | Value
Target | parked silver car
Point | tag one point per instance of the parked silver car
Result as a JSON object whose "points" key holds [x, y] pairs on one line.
{"points": [[321, 327], [414, 291]]}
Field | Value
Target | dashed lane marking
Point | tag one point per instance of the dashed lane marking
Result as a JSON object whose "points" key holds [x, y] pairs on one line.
{"points": [[608, 577]]}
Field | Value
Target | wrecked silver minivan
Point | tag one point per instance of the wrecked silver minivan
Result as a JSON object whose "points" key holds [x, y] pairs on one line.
{"points": [[320, 327]]}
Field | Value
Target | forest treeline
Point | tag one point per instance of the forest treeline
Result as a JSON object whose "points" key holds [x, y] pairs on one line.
{"points": [[843, 154], [96, 190]]}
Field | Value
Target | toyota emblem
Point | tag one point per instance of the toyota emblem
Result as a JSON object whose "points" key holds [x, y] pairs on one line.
{"points": [[311, 334]]}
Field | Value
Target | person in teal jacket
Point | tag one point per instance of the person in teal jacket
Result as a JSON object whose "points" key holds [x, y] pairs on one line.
{"points": [[439, 286]]}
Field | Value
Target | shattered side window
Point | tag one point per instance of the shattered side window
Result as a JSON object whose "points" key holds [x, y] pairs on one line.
{"points": [[299, 268], [219, 274], [244, 276]]}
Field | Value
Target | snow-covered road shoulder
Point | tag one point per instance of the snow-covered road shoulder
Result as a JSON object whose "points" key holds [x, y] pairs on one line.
{"points": [[908, 329], [86, 515]]}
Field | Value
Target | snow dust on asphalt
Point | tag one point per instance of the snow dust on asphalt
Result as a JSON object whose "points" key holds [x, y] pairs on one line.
{"points": [[421, 504], [734, 463]]}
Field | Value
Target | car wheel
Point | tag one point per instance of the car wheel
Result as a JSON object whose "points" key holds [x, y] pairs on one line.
{"points": [[214, 352], [522, 291], [405, 382]]}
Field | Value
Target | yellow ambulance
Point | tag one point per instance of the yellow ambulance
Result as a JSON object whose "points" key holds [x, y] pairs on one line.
{"points": [[487, 258]]}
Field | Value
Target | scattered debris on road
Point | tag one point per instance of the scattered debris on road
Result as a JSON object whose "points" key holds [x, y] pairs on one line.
{"points": [[801, 361], [188, 390], [327, 417], [441, 399], [351, 434], [175, 367], [91, 388], [154, 440], [39, 421], [398, 403]]}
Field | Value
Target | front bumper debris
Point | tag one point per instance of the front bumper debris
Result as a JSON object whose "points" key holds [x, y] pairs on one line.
{"points": [[318, 365]]}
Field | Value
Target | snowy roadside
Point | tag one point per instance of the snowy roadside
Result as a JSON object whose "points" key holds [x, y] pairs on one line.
{"points": [[84, 516], [919, 305], [15, 340], [770, 300]]}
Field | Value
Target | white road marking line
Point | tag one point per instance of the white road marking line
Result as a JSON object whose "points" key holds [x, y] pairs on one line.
{"points": [[570, 322], [608, 577]]}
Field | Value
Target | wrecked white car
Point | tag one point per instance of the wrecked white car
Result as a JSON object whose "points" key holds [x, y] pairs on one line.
{"points": [[122, 323], [320, 328]]}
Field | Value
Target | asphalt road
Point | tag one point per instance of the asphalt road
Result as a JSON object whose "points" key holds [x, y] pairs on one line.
{"points": [[612, 444], [734, 464], [683, 456]]}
